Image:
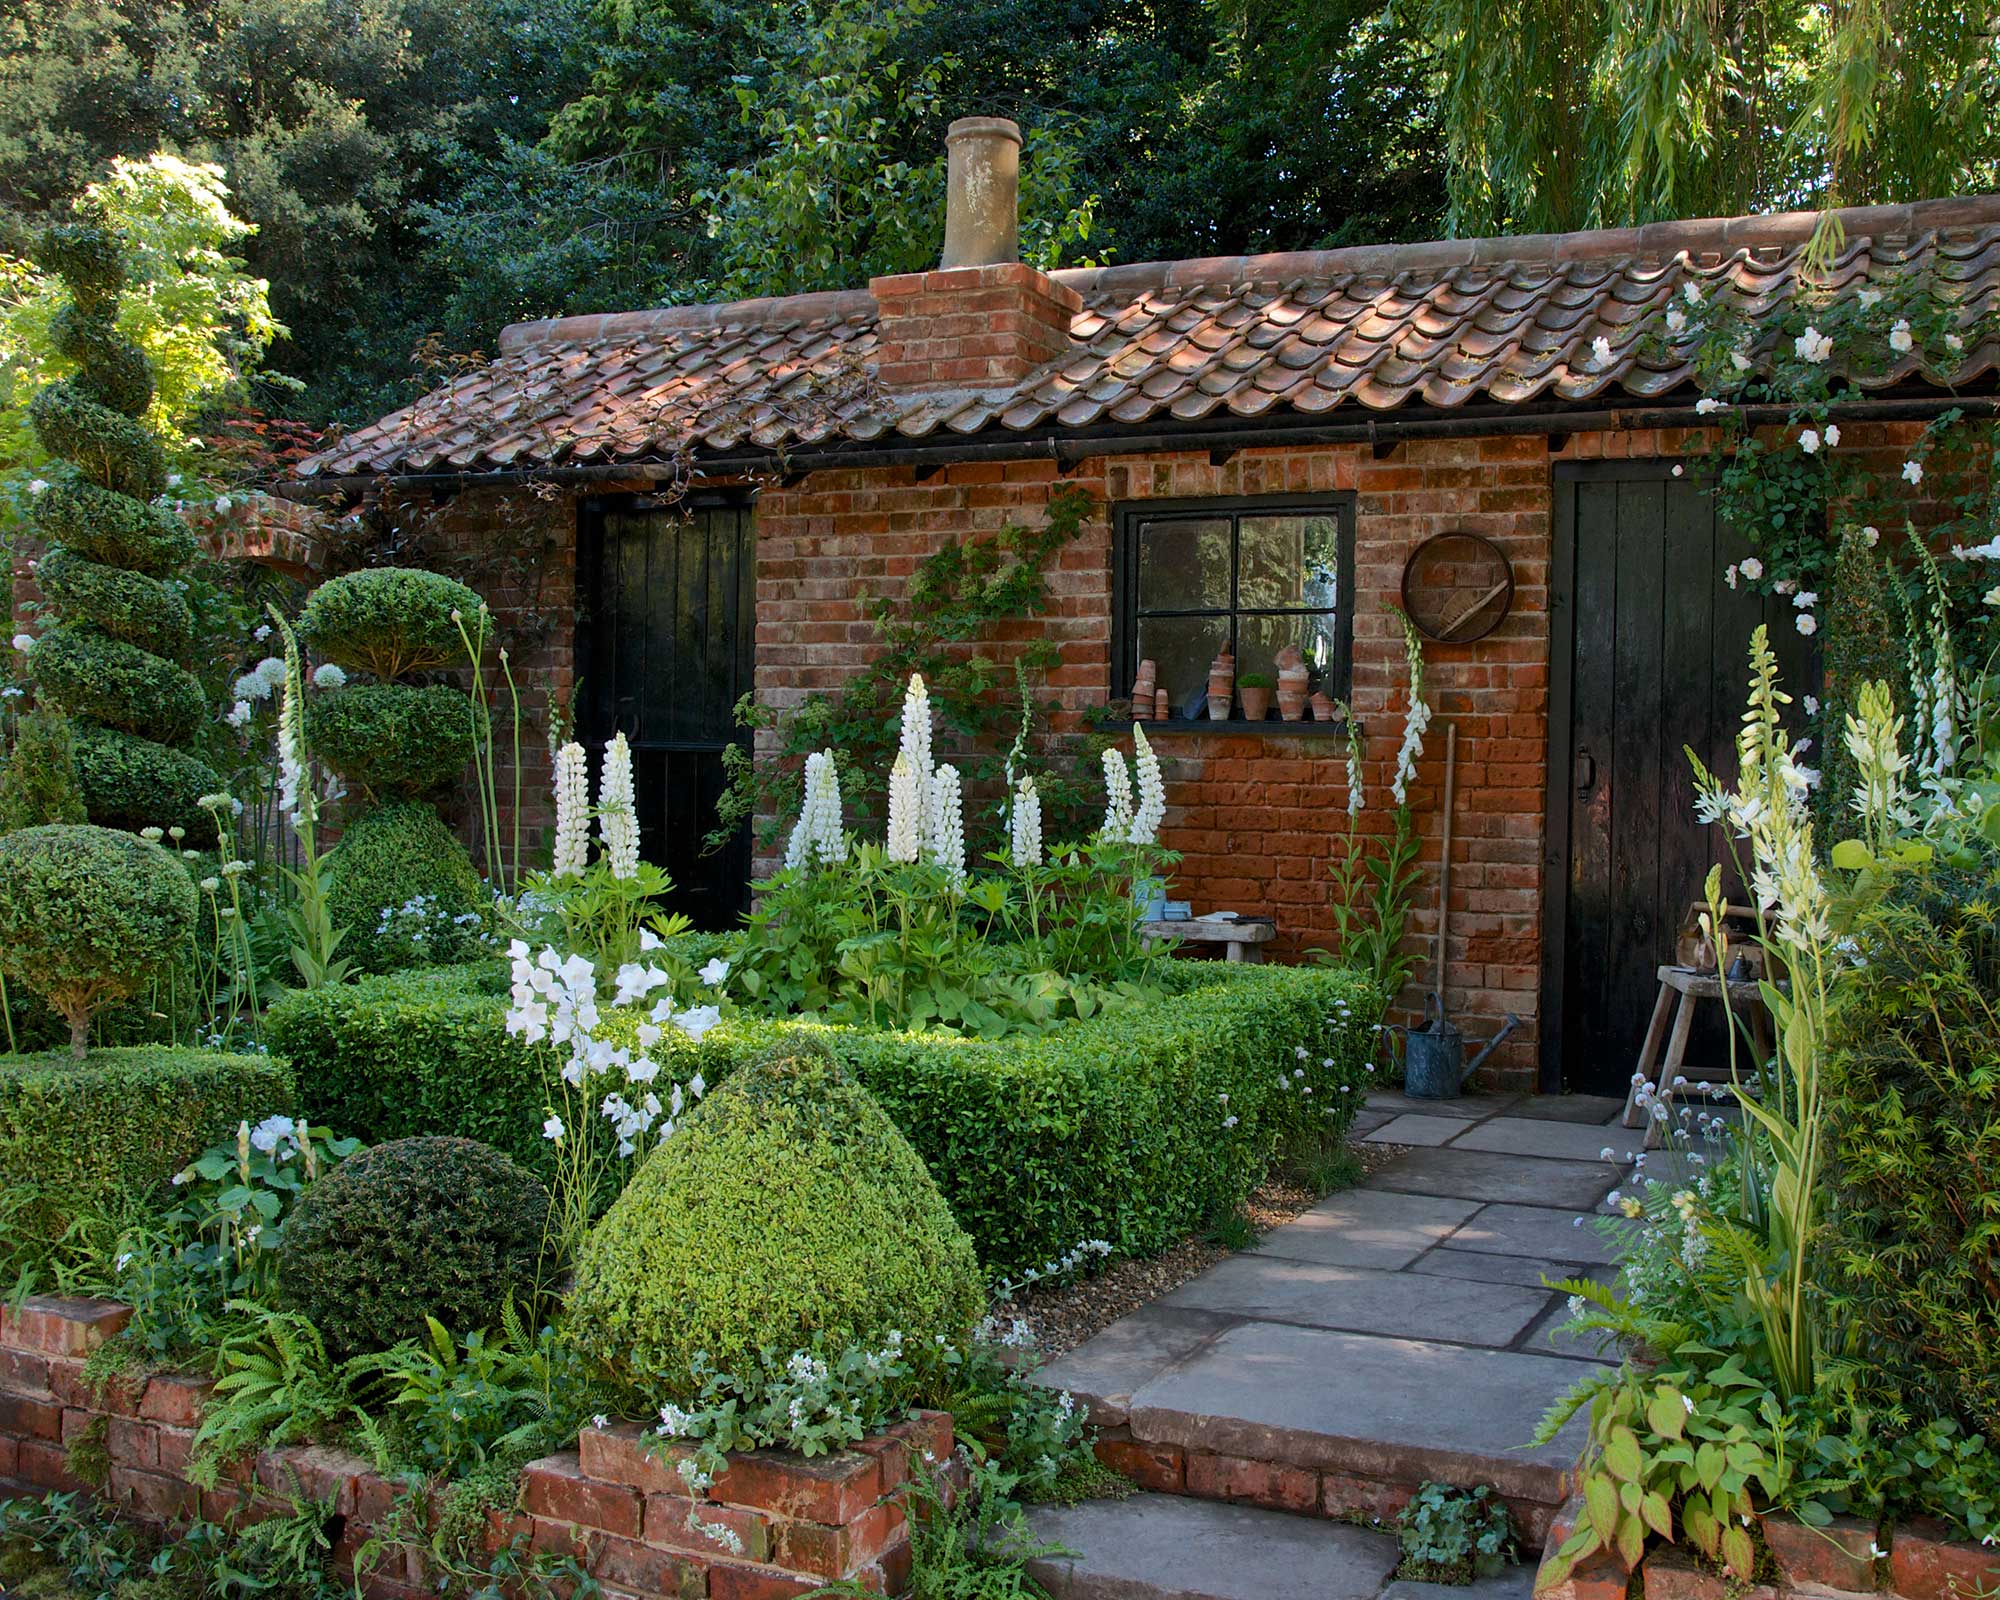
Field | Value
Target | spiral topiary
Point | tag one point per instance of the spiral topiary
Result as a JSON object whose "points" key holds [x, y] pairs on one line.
{"points": [[111, 557]]}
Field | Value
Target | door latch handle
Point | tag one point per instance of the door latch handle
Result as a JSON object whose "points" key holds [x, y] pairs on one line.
{"points": [[1583, 771]]}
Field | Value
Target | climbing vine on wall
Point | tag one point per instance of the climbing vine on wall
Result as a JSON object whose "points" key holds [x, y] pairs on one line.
{"points": [[987, 708]]}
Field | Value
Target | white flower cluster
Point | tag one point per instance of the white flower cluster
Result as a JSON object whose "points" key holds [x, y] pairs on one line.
{"points": [[1117, 796], [1415, 721], [906, 810], [328, 676], [946, 816], [617, 810], [572, 784], [817, 836], [554, 1001], [1024, 825], [291, 767], [262, 680], [1152, 809]]}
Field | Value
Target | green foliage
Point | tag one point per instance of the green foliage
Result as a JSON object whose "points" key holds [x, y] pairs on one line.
{"points": [[1913, 1080], [101, 1139], [390, 621], [129, 606], [278, 1385], [106, 681], [132, 783], [785, 1213], [391, 739], [38, 785], [1452, 1535], [1645, 112], [956, 601], [112, 529], [1863, 645], [389, 856], [85, 912], [420, 1227], [1114, 1129]]}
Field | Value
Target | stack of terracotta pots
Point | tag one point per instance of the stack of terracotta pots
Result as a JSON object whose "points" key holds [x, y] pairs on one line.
{"points": [[1292, 678], [1145, 688], [1221, 686]]}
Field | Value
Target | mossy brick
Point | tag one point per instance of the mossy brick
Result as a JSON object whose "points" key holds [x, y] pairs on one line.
{"points": [[1926, 1563], [59, 1327], [132, 1443], [736, 1531], [153, 1496], [1840, 1555], [730, 1580], [24, 1371], [1257, 1483], [1598, 1577], [320, 1472], [1670, 1575], [1160, 1467], [176, 1399], [45, 1464], [619, 1454], [176, 1446], [30, 1416], [831, 1488], [555, 1488], [115, 1395], [648, 1570]]}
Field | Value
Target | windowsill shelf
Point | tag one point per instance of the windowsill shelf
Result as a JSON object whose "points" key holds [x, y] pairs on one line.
{"points": [[1272, 728]]}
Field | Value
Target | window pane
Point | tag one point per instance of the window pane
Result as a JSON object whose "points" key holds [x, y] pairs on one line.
{"points": [[1289, 559], [1259, 639], [1184, 564], [1182, 647]]}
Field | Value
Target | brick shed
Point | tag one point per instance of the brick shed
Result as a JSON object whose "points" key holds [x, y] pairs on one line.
{"points": [[716, 493]]}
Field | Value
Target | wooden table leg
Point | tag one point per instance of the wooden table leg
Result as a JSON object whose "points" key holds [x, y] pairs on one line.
{"points": [[1233, 951], [1677, 1045], [1649, 1052]]}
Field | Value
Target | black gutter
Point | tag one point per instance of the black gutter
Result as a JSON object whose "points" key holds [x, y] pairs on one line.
{"points": [[1070, 447]]}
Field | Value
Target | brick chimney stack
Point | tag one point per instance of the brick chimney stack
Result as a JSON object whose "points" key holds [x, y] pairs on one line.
{"points": [[984, 319]]}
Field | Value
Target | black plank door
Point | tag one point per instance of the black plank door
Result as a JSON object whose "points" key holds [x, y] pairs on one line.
{"points": [[666, 626], [1649, 654]]}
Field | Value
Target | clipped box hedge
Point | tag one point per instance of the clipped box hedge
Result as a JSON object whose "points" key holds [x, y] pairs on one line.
{"points": [[92, 1138], [1117, 1128]]}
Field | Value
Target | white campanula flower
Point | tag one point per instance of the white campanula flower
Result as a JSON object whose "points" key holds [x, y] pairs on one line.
{"points": [[617, 810], [1901, 340], [1913, 472], [552, 1129], [222, 504], [1152, 808], [1753, 569], [328, 676], [636, 982], [266, 1135], [1117, 796], [1811, 703], [946, 813], [715, 974], [906, 810], [1024, 825], [696, 1021], [1600, 350], [572, 847], [1812, 346]]}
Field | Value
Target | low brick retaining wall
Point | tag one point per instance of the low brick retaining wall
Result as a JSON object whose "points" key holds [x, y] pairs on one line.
{"points": [[1919, 1560], [773, 1526]]}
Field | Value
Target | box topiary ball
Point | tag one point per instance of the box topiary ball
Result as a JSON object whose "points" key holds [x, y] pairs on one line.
{"points": [[388, 857], [393, 739], [388, 621], [448, 1228], [787, 1209], [130, 782], [86, 912]]}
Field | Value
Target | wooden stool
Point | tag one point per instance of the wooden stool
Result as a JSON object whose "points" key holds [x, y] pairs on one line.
{"points": [[1691, 987], [1243, 938]]}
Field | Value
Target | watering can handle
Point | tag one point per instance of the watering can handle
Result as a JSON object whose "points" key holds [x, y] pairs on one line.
{"points": [[1434, 1008]]}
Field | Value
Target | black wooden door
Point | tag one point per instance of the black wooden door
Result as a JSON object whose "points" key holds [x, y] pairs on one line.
{"points": [[1649, 656], [666, 626]]}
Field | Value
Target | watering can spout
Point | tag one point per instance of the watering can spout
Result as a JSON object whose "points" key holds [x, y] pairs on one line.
{"points": [[1491, 1045]]}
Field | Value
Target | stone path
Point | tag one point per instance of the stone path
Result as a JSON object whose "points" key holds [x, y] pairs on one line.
{"points": [[1396, 1332]]}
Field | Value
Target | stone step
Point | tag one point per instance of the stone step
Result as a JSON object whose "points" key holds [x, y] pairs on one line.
{"points": [[1159, 1547]]}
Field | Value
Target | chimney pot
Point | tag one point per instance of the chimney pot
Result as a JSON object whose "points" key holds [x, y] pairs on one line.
{"points": [[982, 225]]}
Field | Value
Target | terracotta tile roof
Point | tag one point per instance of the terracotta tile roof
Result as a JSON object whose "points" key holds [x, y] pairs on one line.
{"points": [[1374, 330]]}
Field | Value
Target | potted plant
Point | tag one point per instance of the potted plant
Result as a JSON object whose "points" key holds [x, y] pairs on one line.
{"points": [[1256, 690]]}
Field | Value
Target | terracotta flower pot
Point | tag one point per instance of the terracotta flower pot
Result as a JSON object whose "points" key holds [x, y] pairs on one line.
{"points": [[1218, 707], [1323, 707], [1291, 704], [1256, 702]]}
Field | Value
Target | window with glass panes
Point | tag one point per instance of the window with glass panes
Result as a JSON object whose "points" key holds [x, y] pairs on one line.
{"points": [[1254, 575]]}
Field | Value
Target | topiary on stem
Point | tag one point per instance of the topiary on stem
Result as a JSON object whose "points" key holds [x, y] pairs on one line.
{"points": [[85, 913], [112, 555]]}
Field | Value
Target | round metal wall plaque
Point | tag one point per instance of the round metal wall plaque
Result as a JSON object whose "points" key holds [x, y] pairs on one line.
{"points": [[1457, 587]]}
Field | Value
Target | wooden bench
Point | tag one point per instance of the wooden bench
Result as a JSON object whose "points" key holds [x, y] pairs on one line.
{"points": [[1243, 938]]}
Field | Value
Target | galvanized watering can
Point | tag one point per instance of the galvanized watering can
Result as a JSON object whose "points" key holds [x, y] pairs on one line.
{"points": [[1434, 1064]]}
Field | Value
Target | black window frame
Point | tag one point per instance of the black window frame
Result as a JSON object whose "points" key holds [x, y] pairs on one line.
{"points": [[1127, 517]]}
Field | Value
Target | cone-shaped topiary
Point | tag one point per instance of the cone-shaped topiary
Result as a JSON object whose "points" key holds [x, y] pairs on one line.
{"points": [[111, 557], [448, 1228], [86, 912], [786, 1211], [388, 857]]}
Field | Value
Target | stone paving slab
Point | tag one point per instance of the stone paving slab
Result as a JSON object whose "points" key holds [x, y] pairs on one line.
{"points": [[1597, 1109], [1556, 1141], [1511, 1230], [1104, 1370], [1398, 1409], [1362, 1300], [1495, 1176], [1542, 1339], [1514, 1583], [1368, 1228], [1414, 1128], [1524, 1271], [1162, 1547], [1467, 1108]]}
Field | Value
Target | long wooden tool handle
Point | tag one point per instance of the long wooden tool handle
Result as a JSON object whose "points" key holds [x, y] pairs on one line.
{"points": [[1444, 859]]}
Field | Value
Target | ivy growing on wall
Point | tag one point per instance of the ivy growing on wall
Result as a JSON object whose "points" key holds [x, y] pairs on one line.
{"points": [[987, 708]]}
